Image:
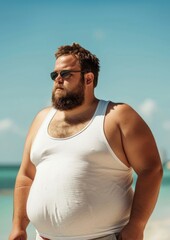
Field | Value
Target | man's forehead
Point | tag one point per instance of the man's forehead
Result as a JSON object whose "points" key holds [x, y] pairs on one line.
{"points": [[67, 60]]}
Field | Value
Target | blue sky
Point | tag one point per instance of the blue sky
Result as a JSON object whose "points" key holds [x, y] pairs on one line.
{"points": [[131, 39]]}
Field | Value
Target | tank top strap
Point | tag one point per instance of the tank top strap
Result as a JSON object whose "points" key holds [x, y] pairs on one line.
{"points": [[49, 116], [101, 108]]}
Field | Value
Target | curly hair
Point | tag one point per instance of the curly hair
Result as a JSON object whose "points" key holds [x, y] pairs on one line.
{"points": [[88, 61]]}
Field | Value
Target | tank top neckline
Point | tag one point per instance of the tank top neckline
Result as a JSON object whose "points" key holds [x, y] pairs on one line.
{"points": [[52, 113]]}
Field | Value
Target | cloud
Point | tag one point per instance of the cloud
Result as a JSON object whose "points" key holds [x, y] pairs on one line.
{"points": [[148, 108], [166, 125], [8, 124]]}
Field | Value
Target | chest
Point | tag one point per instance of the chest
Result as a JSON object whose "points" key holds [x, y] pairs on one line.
{"points": [[62, 129]]}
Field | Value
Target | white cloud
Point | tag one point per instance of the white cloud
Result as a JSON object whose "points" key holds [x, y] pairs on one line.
{"points": [[8, 124], [148, 108], [166, 125]]}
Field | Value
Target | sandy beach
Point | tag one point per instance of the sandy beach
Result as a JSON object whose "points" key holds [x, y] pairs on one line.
{"points": [[158, 230]]}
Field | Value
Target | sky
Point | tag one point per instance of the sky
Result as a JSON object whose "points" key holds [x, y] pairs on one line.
{"points": [[131, 39]]}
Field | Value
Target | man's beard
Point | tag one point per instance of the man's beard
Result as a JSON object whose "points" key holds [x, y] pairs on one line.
{"points": [[71, 100]]}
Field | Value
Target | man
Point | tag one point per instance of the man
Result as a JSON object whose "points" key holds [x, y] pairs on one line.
{"points": [[75, 179]]}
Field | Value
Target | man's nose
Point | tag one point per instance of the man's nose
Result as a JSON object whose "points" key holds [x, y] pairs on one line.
{"points": [[59, 79]]}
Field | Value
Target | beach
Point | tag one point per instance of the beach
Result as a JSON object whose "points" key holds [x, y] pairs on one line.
{"points": [[158, 230], [158, 227]]}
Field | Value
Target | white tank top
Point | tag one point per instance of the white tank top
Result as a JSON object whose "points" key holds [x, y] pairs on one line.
{"points": [[81, 189]]}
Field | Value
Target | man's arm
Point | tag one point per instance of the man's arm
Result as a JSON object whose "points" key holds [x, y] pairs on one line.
{"points": [[142, 154], [23, 183]]}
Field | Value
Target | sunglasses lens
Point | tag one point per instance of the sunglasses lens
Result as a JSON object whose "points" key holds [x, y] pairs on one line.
{"points": [[65, 73], [54, 75]]}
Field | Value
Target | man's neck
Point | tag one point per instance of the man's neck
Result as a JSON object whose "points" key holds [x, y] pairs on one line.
{"points": [[80, 113]]}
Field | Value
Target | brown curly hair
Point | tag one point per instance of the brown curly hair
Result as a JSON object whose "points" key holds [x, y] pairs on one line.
{"points": [[88, 61]]}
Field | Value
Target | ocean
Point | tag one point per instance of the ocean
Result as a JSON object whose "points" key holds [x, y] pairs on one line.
{"points": [[158, 227]]}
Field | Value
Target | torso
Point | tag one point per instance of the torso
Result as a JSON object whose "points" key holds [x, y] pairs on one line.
{"points": [[84, 175]]}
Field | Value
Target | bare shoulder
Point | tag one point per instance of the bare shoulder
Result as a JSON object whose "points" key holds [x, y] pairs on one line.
{"points": [[125, 115], [136, 136], [37, 121], [121, 108], [130, 124], [42, 114], [39, 118]]}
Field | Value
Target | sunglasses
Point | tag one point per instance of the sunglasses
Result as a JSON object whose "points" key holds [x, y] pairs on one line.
{"points": [[63, 74]]}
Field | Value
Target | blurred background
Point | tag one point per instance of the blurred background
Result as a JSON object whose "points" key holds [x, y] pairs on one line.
{"points": [[132, 40]]}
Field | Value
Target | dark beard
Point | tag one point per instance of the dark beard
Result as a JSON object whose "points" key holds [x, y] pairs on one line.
{"points": [[70, 101]]}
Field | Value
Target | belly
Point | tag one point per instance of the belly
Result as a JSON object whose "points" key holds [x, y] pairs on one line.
{"points": [[76, 201]]}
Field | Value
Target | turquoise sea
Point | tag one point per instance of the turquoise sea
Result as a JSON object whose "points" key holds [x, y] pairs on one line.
{"points": [[158, 227]]}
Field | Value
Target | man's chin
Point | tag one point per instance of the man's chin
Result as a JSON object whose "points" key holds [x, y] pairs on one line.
{"points": [[65, 106]]}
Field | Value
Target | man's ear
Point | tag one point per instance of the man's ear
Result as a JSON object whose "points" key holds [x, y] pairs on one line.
{"points": [[89, 78]]}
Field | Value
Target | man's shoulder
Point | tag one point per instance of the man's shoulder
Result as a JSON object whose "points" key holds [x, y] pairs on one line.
{"points": [[120, 107], [43, 112], [125, 116], [37, 121], [121, 111], [41, 115]]}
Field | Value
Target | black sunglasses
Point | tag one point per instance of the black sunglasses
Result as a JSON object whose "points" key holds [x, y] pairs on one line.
{"points": [[63, 73]]}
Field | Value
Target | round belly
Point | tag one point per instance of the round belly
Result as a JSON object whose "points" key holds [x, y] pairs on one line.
{"points": [[75, 201]]}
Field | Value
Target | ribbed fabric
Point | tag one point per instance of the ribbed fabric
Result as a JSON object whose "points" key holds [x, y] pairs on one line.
{"points": [[81, 189]]}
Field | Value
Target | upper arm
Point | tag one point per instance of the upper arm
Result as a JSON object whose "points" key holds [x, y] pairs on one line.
{"points": [[138, 141], [27, 168]]}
